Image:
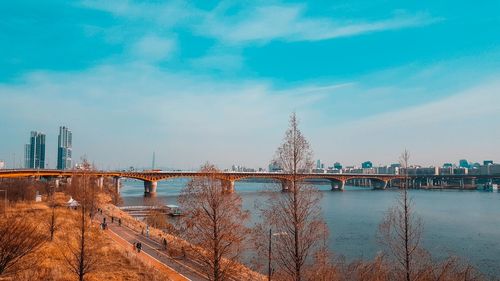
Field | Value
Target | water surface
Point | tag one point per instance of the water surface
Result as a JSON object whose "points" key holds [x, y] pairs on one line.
{"points": [[462, 223]]}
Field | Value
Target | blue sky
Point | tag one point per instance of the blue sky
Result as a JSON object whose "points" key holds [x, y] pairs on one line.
{"points": [[216, 82]]}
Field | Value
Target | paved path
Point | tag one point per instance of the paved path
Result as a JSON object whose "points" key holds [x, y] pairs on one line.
{"points": [[152, 251]]}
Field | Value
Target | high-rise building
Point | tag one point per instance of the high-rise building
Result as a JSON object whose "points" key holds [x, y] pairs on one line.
{"points": [[64, 148], [367, 165], [34, 152], [463, 163], [318, 164], [27, 156]]}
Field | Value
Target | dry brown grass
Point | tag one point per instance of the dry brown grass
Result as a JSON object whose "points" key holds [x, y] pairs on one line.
{"points": [[175, 243], [115, 261]]}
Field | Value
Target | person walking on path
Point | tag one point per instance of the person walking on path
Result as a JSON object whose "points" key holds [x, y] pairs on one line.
{"points": [[139, 247], [119, 222], [164, 244]]}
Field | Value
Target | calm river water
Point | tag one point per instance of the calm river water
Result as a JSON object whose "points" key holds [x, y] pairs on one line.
{"points": [[461, 223]]}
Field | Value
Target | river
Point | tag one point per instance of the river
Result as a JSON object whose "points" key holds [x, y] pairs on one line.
{"points": [[456, 222]]}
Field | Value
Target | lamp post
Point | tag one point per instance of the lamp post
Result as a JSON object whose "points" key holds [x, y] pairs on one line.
{"points": [[269, 257], [269, 269]]}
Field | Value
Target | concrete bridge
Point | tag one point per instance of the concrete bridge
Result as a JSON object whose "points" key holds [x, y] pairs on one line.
{"points": [[338, 181], [151, 178]]}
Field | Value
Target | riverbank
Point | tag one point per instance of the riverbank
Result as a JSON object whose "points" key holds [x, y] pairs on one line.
{"points": [[49, 262], [178, 248]]}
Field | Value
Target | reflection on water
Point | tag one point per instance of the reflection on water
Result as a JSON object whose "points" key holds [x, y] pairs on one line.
{"points": [[462, 223]]}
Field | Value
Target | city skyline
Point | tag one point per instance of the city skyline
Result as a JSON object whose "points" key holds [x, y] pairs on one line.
{"points": [[64, 160], [175, 80]]}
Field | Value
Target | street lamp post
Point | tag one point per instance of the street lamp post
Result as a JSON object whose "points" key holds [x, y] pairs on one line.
{"points": [[269, 257], [269, 269]]}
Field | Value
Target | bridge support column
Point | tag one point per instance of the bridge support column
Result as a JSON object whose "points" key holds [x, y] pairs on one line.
{"points": [[286, 185], [337, 185], [227, 186], [116, 183], [150, 187], [100, 182], [381, 184]]}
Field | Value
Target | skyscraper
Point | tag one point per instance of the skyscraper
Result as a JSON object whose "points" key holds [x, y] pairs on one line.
{"points": [[64, 148], [34, 152]]}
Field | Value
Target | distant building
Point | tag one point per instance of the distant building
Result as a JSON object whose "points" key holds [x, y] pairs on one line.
{"points": [[494, 169], [421, 171], [274, 167], [447, 165], [367, 164], [487, 162], [27, 156], [318, 164], [389, 170], [460, 171], [2, 164], [35, 151], [337, 166], [463, 163], [394, 168], [64, 148]]}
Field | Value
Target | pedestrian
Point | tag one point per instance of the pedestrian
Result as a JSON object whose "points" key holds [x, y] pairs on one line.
{"points": [[147, 231], [183, 252], [164, 244], [112, 219], [104, 220], [120, 222], [139, 247]]}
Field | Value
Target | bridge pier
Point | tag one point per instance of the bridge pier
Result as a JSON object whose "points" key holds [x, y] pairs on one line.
{"points": [[337, 185], [382, 184], [100, 182], [116, 184], [150, 187], [227, 186], [286, 185]]}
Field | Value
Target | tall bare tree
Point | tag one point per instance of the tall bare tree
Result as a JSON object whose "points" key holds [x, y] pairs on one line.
{"points": [[19, 237], [295, 216], [81, 253], [401, 230], [213, 222]]}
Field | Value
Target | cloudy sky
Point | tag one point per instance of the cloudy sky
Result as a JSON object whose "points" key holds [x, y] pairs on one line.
{"points": [[217, 82]]}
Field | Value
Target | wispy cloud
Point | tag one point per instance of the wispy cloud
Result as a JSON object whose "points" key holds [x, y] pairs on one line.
{"points": [[258, 23], [289, 23], [153, 48]]}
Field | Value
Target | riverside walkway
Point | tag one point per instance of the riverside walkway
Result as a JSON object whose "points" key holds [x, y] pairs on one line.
{"points": [[176, 268]]}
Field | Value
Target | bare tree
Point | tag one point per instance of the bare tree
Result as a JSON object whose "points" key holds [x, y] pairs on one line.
{"points": [[294, 215], [52, 222], [401, 230], [213, 223], [82, 246], [19, 237], [20, 189]]}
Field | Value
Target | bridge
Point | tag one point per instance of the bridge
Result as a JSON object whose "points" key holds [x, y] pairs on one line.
{"points": [[151, 178]]}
